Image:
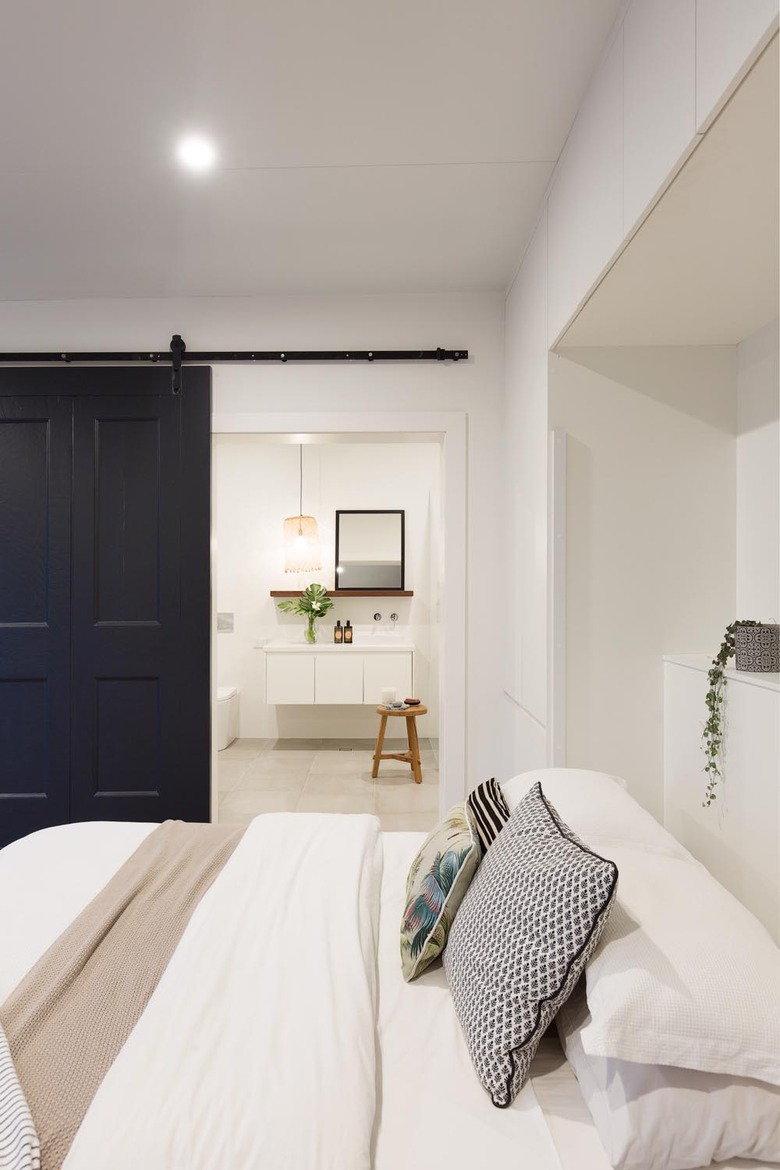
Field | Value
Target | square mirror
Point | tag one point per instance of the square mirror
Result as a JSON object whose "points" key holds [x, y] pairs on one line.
{"points": [[370, 550]]}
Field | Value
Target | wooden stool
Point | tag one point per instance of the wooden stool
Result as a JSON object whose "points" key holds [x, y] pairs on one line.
{"points": [[412, 757]]}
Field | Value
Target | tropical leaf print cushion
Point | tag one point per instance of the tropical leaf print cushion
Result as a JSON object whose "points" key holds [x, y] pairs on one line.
{"points": [[438, 879]]}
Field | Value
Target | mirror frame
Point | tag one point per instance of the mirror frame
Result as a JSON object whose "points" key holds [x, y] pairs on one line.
{"points": [[371, 512]]}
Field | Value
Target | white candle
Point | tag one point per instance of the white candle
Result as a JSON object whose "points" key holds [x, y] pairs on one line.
{"points": [[388, 694]]}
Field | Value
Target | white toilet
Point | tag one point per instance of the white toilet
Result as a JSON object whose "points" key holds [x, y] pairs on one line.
{"points": [[227, 716]]}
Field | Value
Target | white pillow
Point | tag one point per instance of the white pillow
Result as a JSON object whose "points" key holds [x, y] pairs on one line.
{"points": [[684, 975], [597, 807], [657, 1117]]}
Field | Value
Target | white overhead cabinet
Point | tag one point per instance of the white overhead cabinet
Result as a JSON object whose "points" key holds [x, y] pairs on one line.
{"points": [[335, 674], [659, 98], [729, 36], [585, 205]]}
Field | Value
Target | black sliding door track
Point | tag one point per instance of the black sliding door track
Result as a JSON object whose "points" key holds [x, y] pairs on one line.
{"points": [[178, 355]]}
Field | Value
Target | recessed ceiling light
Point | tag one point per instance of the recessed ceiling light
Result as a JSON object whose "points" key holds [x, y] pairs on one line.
{"points": [[196, 153]]}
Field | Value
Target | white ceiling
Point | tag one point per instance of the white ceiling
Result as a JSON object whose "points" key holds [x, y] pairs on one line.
{"points": [[364, 146], [703, 268]]}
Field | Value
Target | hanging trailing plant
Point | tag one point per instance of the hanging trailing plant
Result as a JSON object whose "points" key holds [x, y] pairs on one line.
{"points": [[712, 735]]}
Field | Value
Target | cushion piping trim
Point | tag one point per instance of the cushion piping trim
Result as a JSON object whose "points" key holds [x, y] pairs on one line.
{"points": [[548, 999]]}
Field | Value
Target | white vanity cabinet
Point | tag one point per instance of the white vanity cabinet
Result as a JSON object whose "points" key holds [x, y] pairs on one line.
{"points": [[386, 670], [336, 674], [338, 678], [289, 678]]}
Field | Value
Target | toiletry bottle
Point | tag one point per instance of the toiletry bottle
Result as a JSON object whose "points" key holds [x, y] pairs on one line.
{"points": [[338, 633], [348, 632]]}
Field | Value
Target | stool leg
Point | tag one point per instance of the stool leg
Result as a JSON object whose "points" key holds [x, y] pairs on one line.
{"points": [[380, 739], [414, 748]]}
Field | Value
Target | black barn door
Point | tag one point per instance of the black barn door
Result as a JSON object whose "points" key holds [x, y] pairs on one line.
{"points": [[35, 488], [132, 463]]}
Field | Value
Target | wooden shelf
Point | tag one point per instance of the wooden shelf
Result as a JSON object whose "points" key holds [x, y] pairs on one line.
{"points": [[334, 593]]}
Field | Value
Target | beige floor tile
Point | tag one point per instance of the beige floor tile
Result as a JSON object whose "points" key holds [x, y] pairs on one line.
{"points": [[229, 772], [341, 763], [260, 779], [280, 762], [295, 745], [340, 783], [395, 775], [241, 807], [242, 749], [415, 798], [336, 745], [334, 803], [407, 822], [229, 817]]}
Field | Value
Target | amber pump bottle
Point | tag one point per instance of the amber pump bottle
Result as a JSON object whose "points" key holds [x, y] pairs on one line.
{"points": [[338, 633], [348, 632]]}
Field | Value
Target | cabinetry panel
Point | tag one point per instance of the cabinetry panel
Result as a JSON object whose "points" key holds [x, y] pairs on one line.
{"points": [[659, 98], [738, 839], [289, 678], [729, 35], [585, 206], [338, 678], [386, 670]]}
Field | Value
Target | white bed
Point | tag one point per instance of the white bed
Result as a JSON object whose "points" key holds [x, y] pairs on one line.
{"points": [[430, 1107]]}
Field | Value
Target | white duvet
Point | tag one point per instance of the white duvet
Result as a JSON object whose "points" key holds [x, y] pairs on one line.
{"points": [[257, 1048], [265, 1045]]}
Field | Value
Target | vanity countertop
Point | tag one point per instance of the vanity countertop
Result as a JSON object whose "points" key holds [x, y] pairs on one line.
{"points": [[362, 646]]}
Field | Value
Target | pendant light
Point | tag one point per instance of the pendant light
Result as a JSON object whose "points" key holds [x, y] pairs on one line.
{"points": [[301, 538]]}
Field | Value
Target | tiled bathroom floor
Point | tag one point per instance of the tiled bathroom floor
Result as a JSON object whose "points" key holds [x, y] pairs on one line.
{"points": [[258, 776]]}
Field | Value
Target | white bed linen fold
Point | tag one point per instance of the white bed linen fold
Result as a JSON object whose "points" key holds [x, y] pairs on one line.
{"points": [[46, 880], [257, 1049]]}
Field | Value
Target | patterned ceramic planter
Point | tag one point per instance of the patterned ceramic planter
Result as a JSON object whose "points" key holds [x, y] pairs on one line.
{"points": [[757, 648]]}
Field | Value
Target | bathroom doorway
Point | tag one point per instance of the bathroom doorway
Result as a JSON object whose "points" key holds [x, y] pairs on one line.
{"points": [[272, 751]]}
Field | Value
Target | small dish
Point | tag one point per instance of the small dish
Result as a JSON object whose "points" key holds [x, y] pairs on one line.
{"points": [[412, 702]]}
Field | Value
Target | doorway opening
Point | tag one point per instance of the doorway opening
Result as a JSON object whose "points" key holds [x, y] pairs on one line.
{"points": [[297, 749]]}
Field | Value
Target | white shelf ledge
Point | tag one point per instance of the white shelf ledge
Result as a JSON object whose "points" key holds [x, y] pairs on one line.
{"points": [[770, 681]]}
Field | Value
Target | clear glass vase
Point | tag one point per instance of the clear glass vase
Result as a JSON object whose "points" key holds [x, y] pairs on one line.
{"points": [[311, 630]]}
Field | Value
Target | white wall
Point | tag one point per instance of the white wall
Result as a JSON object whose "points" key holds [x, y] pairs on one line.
{"points": [[473, 388], [256, 487], [650, 540], [525, 445], [758, 476]]}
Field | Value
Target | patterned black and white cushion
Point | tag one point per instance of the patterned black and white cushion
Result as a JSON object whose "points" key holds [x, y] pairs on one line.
{"points": [[525, 930], [488, 812], [19, 1145]]}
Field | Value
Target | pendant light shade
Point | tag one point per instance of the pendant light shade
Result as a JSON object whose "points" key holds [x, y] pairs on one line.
{"points": [[301, 545], [301, 537]]}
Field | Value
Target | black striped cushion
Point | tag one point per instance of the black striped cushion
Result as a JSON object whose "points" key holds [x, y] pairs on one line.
{"points": [[488, 810], [19, 1146]]}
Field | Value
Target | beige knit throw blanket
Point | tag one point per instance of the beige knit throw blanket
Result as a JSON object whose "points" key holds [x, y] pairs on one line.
{"points": [[70, 1016]]}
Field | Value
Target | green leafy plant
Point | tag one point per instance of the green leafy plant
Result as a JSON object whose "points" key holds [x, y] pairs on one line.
{"points": [[712, 735], [312, 604]]}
